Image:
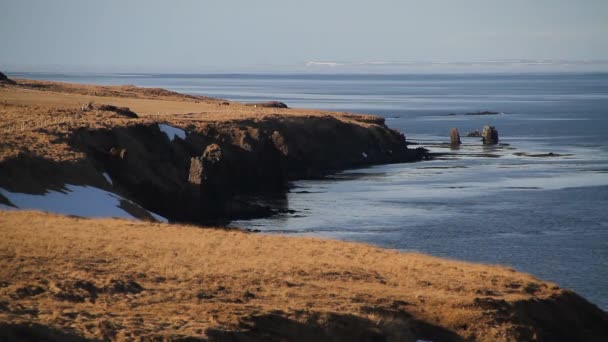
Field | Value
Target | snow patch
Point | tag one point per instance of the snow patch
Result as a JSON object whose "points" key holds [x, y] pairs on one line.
{"points": [[172, 132], [364, 155], [77, 200], [107, 177]]}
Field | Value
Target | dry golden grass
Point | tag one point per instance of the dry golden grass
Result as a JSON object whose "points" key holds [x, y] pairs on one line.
{"points": [[145, 101], [194, 279], [36, 114]]}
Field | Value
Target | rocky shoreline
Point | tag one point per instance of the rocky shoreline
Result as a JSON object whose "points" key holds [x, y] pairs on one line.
{"points": [[189, 168]]}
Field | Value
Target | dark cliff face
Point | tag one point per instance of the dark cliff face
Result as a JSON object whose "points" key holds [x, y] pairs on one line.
{"points": [[202, 174]]}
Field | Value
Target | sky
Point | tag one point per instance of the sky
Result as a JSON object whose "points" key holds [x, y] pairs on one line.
{"points": [[236, 35]]}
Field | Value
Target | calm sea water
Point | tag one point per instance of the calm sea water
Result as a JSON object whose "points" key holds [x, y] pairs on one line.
{"points": [[544, 215]]}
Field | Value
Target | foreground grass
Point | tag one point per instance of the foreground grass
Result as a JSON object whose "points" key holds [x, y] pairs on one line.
{"points": [[107, 278]]}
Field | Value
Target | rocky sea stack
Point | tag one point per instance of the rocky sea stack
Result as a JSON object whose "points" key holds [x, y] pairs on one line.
{"points": [[489, 135]]}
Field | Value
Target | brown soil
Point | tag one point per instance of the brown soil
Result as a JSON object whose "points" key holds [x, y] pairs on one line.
{"points": [[115, 279]]}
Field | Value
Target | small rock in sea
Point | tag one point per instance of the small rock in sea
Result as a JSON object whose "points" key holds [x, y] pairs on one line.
{"points": [[454, 137], [550, 154], [489, 135], [485, 112], [474, 134]]}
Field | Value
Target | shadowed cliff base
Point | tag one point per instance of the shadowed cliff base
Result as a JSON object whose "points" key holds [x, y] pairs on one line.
{"points": [[31, 332], [116, 279], [314, 326]]}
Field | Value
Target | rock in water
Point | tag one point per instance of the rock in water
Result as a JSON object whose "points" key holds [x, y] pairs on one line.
{"points": [[475, 134], [454, 137], [489, 135]]}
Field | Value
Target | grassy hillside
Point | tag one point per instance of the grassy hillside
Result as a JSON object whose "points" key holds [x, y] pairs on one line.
{"points": [[125, 279]]}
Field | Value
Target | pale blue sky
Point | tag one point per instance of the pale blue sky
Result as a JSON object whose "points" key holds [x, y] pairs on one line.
{"points": [[223, 35]]}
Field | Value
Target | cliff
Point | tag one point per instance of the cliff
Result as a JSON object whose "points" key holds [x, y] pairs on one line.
{"points": [[187, 158]]}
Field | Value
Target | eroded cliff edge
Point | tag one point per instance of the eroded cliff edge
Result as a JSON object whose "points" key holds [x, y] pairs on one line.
{"points": [[188, 167]]}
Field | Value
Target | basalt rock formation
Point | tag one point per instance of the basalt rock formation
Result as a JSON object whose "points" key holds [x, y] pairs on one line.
{"points": [[454, 137], [202, 176], [489, 135]]}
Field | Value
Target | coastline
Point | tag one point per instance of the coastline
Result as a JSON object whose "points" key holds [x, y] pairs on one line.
{"points": [[150, 280]]}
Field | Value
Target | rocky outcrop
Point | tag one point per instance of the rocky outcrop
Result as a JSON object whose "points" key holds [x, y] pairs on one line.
{"points": [[561, 317], [124, 111], [209, 186], [5, 80], [489, 135], [474, 134], [454, 137], [269, 104]]}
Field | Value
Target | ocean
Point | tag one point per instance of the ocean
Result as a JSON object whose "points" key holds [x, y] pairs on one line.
{"points": [[537, 202]]}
